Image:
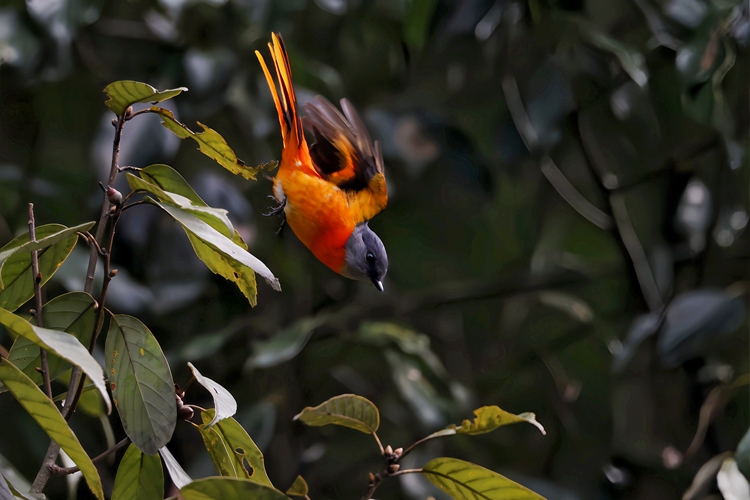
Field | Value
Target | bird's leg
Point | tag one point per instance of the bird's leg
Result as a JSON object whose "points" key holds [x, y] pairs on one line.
{"points": [[278, 210]]}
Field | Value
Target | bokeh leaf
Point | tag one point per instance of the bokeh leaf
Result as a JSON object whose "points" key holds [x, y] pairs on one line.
{"points": [[16, 280], [229, 488], [139, 477], [46, 414], [232, 450], [284, 345], [467, 481], [742, 455], [732, 483], [487, 419], [176, 472], [73, 313], [298, 488], [224, 404], [211, 144], [347, 410], [62, 344], [141, 383], [124, 93]]}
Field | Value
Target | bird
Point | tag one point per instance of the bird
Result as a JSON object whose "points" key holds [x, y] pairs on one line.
{"points": [[328, 191]]}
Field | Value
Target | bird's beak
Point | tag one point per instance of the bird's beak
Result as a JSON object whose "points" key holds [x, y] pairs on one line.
{"points": [[378, 284]]}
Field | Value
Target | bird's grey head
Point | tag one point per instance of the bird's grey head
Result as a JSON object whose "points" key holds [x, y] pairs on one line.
{"points": [[366, 259]]}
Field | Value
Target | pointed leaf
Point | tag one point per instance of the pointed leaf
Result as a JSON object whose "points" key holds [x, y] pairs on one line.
{"points": [[62, 344], [468, 481], [211, 144], [229, 488], [123, 93], [219, 243], [231, 448], [17, 282], [298, 488], [487, 419], [347, 410], [284, 345], [46, 414], [176, 472], [139, 477], [73, 313], [224, 404], [141, 383]]}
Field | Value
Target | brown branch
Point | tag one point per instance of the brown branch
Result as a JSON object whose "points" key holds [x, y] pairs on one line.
{"points": [[37, 277], [58, 471]]}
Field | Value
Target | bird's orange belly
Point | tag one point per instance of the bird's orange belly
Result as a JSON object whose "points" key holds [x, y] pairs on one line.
{"points": [[318, 213]]}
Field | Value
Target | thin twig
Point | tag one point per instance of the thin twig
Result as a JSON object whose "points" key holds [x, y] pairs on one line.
{"points": [[415, 444], [58, 471], [37, 277]]}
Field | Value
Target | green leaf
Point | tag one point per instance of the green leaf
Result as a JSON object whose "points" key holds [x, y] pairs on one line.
{"points": [[418, 21], [141, 383], [229, 488], [16, 280], [126, 92], [222, 255], [73, 313], [487, 419], [409, 341], [347, 410], [284, 345], [60, 343], [139, 477], [15, 493], [298, 488], [231, 448], [176, 472], [211, 144], [46, 414], [5, 493], [224, 404], [742, 455], [468, 481]]}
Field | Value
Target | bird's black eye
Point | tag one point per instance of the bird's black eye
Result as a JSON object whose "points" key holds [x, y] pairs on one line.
{"points": [[370, 258]]}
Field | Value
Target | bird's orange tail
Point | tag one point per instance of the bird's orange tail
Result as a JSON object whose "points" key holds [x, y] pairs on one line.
{"points": [[284, 98]]}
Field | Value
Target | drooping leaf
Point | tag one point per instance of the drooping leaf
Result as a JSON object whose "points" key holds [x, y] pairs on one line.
{"points": [[124, 93], [5, 493], [141, 383], [489, 418], [229, 488], [16, 280], [72, 313], [224, 254], [732, 483], [15, 493], [46, 414], [284, 345], [232, 450], [62, 344], [298, 488], [139, 477], [224, 404], [211, 144], [347, 410], [467, 481], [176, 472], [410, 342]]}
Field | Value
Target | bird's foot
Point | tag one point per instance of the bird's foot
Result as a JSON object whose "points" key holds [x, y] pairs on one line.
{"points": [[277, 210]]}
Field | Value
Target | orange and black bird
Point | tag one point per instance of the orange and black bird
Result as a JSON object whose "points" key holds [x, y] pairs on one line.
{"points": [[331, 189]]}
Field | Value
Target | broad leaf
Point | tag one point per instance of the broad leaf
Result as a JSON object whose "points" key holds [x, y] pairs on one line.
{"points": [[73, 313], [224, 404], [141, 383], [46, 414], [468, 481], [211, 144], [284, 345], [139, 477], [298, 488], [231, 448], [124, 93], [347, 410], [62, 344], [16, 280], [487, 419], [229, 488], [176, 472], [224, 254]]}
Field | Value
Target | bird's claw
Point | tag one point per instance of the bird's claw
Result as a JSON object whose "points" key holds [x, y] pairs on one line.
{"points": [[277, 210]]}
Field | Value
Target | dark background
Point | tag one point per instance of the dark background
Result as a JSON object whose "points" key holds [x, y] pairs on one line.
{"points": [[559, 172]]}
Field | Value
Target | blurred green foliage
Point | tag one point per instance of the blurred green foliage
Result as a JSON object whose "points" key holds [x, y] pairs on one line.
{"points": [[568, 188]]}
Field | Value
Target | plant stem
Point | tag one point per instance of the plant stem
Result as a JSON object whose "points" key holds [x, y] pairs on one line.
{"points": [[380, 445], [37, 277], [72, 470], [76, 378]]}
